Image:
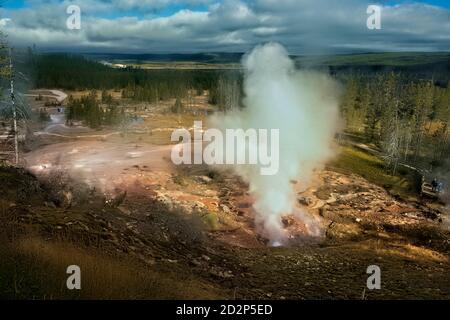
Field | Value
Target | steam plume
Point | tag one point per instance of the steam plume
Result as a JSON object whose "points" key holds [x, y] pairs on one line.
{"points": [[303, 105]]}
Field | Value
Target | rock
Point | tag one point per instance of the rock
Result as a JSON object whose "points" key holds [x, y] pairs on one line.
{"points": [[227, 274], [146, 260], [195, 262], [287, 221], [171, 261], [199, 205], [224, 208], [322, 212], [119, 199], [222, 274], [204, 256], [124, 210], [204, 179], [306, 201], [209, 193], [67, 199], [85, 227], [165, 200], [49, 204], [192, 207]]}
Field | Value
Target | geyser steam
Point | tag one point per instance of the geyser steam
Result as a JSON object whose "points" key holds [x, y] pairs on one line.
{"points": [[303, 105]]}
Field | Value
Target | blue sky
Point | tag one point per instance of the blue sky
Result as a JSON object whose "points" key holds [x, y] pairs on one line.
{"points": [[167, 10], [172, 8], [440, 3], [303, 26], [13, 4]]}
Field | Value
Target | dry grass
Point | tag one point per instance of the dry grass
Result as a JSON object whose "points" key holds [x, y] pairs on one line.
{"points": [[32, 268], [33, 262], [77, 94]]}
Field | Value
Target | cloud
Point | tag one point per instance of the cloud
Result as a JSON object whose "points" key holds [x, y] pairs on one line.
{"points": [[155, 4], [230, 25]]}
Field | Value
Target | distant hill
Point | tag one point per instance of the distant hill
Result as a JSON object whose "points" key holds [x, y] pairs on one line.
{"points": [[418, 65], [396, 59], [219, 57]]}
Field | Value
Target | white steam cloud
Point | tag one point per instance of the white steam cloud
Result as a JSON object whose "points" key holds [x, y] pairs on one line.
{"points": [[303, 105]]}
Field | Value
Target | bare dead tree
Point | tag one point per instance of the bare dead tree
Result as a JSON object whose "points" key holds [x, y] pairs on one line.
{"points": [[13, 106]]}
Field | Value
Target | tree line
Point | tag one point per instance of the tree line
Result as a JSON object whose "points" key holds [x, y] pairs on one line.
{"points": [[74, 72], [94, 112], [407, 119]]}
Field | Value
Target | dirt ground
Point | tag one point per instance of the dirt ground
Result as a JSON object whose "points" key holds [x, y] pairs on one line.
{"points": [[123, 194]]}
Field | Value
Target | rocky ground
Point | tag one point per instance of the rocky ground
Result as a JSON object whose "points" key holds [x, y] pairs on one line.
{"points": [[120, 197], [198, 222]]}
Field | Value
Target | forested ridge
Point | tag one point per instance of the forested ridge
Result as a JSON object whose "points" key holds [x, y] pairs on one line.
{"points": [[409, 120]]}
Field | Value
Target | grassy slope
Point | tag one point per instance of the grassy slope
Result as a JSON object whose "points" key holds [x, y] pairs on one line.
{"points": [[373, 169]]}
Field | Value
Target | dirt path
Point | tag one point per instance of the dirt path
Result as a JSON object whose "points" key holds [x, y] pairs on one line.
{"points": [[58, 95]]}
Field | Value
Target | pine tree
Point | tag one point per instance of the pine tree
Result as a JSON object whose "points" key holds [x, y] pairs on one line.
{"points": [[178, 106]]}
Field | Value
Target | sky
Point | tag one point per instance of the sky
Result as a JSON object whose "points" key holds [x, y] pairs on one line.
{"points": [[187, 26]]}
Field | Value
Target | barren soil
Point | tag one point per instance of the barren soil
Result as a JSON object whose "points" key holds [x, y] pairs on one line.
{"points": [[213, 234], [194, 222]]}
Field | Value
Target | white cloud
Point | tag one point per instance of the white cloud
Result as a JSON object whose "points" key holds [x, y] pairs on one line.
{"points": [[230, 25], [4, 22]]}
